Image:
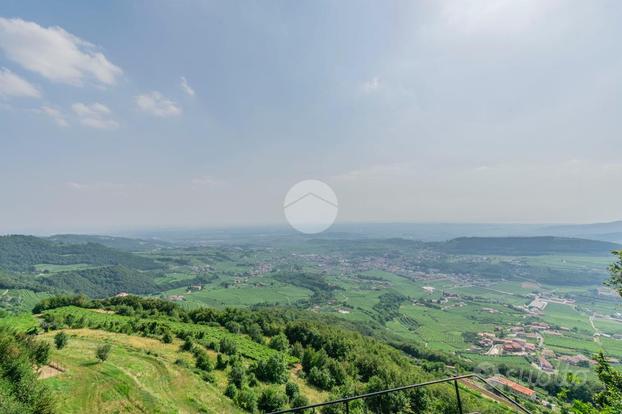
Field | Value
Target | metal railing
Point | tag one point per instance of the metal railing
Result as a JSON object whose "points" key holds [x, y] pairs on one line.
{"points": [[345, 402]]}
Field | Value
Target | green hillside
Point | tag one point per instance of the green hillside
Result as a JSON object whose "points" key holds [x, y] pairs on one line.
{"points": [[119, 243], [22, 253], [165, 359]]}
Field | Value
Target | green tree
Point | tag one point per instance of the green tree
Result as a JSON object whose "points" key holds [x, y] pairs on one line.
{"points": [[231, 391], [615, 270], [609, 400], [611, 397], [203, 361], [237, 375], [60, 340], [20, 391], [102, 352], [292, 390], [246, 400], [228, 346], [271, 399], [40, 352], [279, 342], [187, 345], [273, 369], [167, 338]]}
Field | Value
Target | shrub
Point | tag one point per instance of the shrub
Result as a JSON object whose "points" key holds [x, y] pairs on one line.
{"points": [[273, 369], [320, 377], [102, 352], [252, 380], [231, 391], [60, 340], [20, 391], [279, 342], [208, 377], [203, 362], [187, 345], [247, 400], [221, 362], [228, 346], [237, 375], [167, 338], [181, 363], [233, 327], [291, 390], [271, 399]]}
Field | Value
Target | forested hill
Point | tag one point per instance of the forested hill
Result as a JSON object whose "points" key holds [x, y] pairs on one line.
{"points": [[114, 242], [528, 246], [21, 253]]}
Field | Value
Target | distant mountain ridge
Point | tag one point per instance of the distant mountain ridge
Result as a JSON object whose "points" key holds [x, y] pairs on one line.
{"points": [[115, 242], [528, 246], [611, 231]]}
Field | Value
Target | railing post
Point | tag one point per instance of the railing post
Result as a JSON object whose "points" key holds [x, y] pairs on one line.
{"points": [[458, 396], [347, 407]]}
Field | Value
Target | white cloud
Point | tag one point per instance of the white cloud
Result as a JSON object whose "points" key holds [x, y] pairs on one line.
{"points": [[55, 54], [13, 85], [371, 85], [186, 87], [156, 104], [95, 115], [56, 114]]}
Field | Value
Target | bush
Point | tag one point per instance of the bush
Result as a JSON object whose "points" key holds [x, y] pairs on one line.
{"points": [[279, 342], [231, 391], [247, 400], [320, 377], [60, 340], [187, 345], [208, 377], [20, 391], [291, 390], [102, 352], [203, 362], [237, 375], [273, 369], [167, 338], [181, 363], [255, 332], [271, 399], [221, 362], [252, 380], [228, 346], [233, 327]]}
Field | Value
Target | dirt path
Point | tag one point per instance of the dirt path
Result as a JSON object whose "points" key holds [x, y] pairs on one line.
{"points": [[48, 371]]}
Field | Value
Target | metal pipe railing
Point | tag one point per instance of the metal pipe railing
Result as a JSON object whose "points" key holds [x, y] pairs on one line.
{"points": [[345, 401]]}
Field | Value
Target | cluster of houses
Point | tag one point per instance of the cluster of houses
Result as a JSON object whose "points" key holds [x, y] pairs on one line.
{"points": [[500, 346], [579, 360]]}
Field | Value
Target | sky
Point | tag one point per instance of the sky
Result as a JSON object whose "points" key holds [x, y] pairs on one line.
{"points": [[148, 114]]}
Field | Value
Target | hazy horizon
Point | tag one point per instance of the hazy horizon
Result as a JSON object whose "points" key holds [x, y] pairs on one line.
{"points": [[142, 115]]}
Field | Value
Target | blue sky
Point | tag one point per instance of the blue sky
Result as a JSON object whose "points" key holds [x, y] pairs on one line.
{"points": [[131, 114]]}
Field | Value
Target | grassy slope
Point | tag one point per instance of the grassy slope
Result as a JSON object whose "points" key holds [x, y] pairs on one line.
{"points": [[131, 380]]}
